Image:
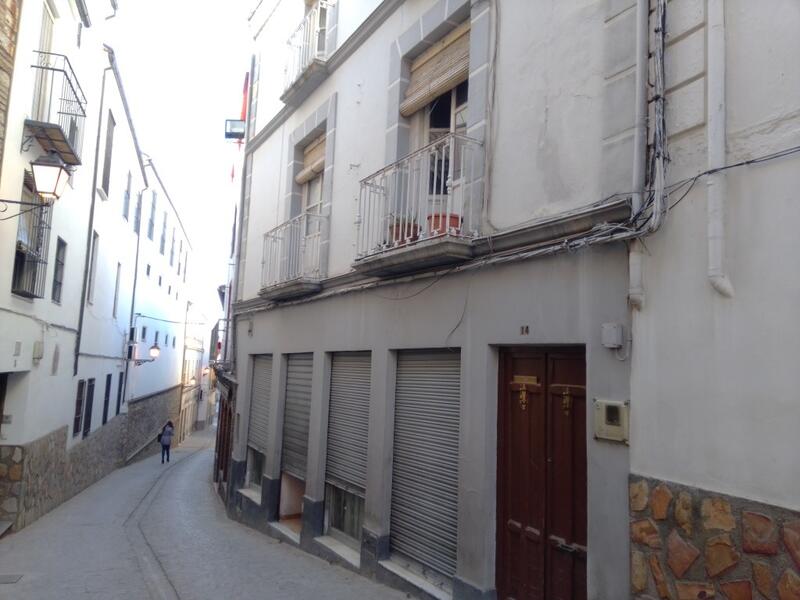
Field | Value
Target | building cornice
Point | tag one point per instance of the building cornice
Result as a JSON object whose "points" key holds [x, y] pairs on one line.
{"points": [[506, 246]]}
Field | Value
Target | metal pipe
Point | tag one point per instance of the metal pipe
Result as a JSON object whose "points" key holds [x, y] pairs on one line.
{"points": [[86, 264], [636, 295], [716, 137], [131, 320]]}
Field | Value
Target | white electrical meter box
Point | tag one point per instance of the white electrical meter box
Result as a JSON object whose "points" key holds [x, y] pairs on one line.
{"points": [[611, 335], [611, 420]]}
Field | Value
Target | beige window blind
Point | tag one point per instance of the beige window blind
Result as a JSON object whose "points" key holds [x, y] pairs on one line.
{"points": [[313, 161], [439, 69]]}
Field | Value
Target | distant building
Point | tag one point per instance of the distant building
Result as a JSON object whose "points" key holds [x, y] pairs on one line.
{"points": [[93, 285], [485, 339]]}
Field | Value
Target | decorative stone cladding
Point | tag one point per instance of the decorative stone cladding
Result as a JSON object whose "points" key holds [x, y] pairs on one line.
{"points": [[38, 476], [690, 544], [9, 25]]}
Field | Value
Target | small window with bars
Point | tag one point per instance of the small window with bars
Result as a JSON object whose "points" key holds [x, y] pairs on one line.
{"points": [[33, 242]]}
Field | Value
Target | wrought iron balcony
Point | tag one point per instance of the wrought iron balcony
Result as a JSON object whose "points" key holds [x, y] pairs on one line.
{"points": [[423, 210], [59, 107], [292, 258], [305, 67]]}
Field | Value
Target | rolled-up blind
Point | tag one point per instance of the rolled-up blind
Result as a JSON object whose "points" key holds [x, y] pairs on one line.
{"points": [[296, 414], [437, 70], [313, 160], [348, 421], [424, 517], [258, 429]]}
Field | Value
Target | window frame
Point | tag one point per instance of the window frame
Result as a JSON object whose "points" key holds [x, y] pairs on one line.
{"points": [[59, 266], [111, 124], [92, 281], [80, 398]]}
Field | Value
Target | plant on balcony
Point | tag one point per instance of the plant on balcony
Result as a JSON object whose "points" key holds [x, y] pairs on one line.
{"points": [[402, 230]]}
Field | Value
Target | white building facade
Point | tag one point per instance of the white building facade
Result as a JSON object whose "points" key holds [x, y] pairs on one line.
{"points": [[83, 277], [476, 242]]}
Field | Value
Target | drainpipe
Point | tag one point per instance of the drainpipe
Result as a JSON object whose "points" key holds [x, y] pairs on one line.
{"points": [[131, 320], [636, 256], [716, 134], [183, 362], [86, 264]]}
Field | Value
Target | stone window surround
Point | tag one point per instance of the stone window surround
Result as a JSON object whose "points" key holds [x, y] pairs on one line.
{"points": [[437, 22], [322, 120]]}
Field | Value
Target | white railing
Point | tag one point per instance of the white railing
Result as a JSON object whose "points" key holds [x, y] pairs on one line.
{"points": [[292, 251], [307, 43], [435, 191]]}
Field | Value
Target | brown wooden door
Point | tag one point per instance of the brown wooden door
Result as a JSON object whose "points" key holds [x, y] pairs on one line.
{"points": [[541, 495]]}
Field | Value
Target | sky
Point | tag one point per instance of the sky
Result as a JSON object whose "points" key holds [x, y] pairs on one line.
{"points": [[183, 64]]}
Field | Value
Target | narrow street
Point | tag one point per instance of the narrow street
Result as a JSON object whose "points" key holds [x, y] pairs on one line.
{"points": [[153, 532]]}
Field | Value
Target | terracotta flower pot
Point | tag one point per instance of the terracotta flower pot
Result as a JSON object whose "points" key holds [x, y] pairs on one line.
{"points": [[403, 232], [444, 223]]}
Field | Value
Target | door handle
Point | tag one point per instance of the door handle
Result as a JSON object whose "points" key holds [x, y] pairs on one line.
{"points": [[562, 545]]}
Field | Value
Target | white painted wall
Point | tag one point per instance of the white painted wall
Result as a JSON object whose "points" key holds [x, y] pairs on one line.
{"points": [[713, 387], [40, 398]]}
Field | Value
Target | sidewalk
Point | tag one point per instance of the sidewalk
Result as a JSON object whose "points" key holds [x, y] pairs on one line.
{"points": [[152, 531]]}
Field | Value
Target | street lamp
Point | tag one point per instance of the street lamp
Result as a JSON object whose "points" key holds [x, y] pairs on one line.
{"points": [[154, 353], [50, 176]]}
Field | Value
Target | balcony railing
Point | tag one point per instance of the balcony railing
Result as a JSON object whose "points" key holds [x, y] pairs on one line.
{"points": [[307, 44], [431, 193], [292, 251], [58, 99]]}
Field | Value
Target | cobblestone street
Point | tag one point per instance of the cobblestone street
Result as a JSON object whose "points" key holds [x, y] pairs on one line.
{"points": [[153, 532]]}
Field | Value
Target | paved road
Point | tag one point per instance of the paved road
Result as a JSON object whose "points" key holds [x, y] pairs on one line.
{"points": [[151, 533]]}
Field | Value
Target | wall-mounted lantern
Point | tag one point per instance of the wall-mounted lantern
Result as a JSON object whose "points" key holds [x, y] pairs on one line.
{"points": [[50, 176]]}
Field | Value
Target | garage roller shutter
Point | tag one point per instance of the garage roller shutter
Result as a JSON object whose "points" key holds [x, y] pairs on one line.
{"points": [[296, 413], [259, 403], [348, 421], [424, 517]]}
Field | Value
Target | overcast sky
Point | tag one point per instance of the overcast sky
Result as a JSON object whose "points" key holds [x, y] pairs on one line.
{"points": [[183, 64]]}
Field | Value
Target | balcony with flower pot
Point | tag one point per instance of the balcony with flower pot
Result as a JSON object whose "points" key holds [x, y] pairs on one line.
{"points": [[421, 212]]}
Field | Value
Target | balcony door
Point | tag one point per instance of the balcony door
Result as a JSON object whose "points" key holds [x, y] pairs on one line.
{"points": [[44, 77], [446, 119]]}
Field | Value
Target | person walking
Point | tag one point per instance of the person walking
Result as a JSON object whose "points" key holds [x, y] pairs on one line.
{"points": [[166, 440]]}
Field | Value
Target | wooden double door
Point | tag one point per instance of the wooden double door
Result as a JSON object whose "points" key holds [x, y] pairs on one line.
{"points": [[541, 474]]}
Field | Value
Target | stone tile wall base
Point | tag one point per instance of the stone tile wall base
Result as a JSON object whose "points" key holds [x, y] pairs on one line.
{"points": [[688, 544]]}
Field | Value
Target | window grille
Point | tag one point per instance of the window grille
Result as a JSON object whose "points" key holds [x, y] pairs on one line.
{"points": [[33, 242]]}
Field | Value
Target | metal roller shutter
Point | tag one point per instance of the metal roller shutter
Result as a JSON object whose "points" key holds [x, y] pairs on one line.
{"points": [[424, 519], [296, 414], [258, 429], [348, 421]]}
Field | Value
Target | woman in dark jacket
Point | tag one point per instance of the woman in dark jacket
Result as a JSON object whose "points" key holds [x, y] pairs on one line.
{"points": [[166, 440]]}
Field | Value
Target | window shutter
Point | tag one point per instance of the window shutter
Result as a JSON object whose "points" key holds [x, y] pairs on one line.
{"points": [[437, 70], [313, 161]]}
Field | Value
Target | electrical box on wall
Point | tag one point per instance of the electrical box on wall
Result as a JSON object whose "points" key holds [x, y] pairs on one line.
{"points": [[611, 420], [611, 335]]}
